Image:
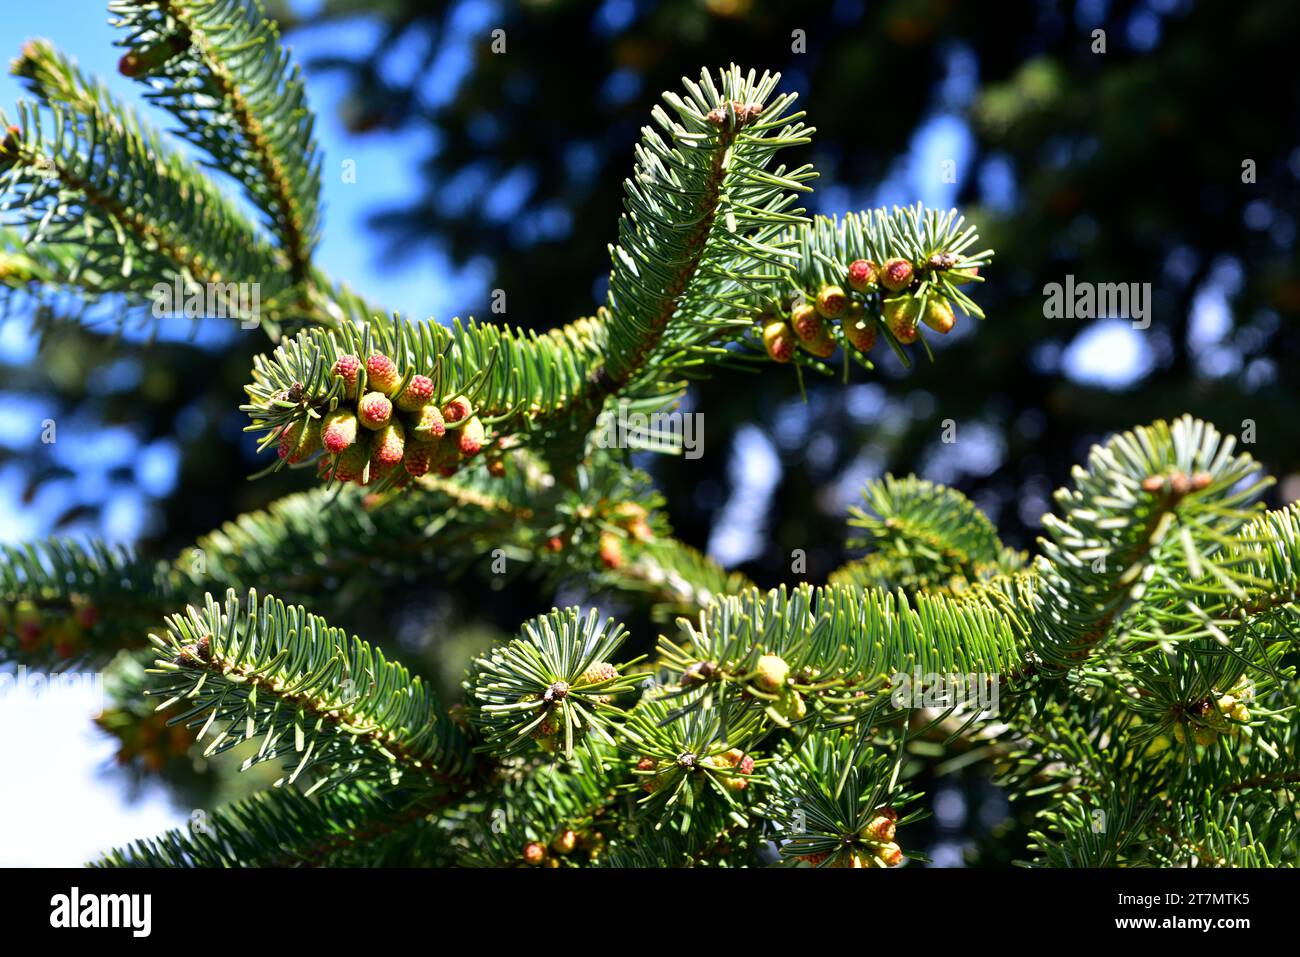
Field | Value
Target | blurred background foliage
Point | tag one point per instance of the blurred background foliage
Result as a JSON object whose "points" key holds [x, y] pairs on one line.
{"points": [[1117, 166]]}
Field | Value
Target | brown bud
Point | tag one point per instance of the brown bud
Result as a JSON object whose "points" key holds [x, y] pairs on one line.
{"points": [[534, 853], [196, 654], [148, 59], [565, 842], [698, 673]]}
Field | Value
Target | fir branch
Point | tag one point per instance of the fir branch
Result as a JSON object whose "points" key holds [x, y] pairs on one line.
{"points": [[84, 173], [1263, 759], [218, 68], [929, 522], [841, 650], [318, 539], [837, 802], [1082, 833], [681, 580], [1253, 584], [707, 242], [65, 605], [279, 828], [547, 390], [550, 814], [1120, 525], [701, 211], [551, 687], [516, 381], [923, 536], [689, 761], [330, 705], [933, 248]]}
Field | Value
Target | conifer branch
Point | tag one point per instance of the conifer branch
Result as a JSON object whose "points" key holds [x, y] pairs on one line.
{"points": [[217, 66], [63, 605], [555, 685], [552, 814], [279, 828], [923, 536], [84, 173], [933, 523], [701, 210], [837, 802], [827, 656], [1124, 520], [709, 252], [333, 707]]}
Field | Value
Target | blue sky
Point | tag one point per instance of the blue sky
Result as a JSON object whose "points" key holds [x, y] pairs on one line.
{"points": [[58, 806]]}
